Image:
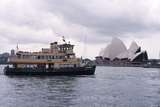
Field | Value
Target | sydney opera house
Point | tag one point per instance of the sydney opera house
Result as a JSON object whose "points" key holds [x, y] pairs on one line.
{"points": [[117, 53]]}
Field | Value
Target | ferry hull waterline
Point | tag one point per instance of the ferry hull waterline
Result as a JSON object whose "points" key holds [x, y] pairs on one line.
{"points": [[58, 59], [50, 72]]}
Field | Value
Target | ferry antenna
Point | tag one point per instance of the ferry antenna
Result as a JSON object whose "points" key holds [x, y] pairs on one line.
{"points": [[17, 48]]}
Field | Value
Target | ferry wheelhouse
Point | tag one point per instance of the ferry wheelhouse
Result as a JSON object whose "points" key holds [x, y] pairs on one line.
{"points": [[59, 59]]}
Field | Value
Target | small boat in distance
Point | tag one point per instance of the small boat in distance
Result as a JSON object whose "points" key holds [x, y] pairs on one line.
{"points": [[59, 59]]}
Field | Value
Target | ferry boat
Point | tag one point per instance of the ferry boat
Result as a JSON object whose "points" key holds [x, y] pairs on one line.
{"points": [[59, 59]]}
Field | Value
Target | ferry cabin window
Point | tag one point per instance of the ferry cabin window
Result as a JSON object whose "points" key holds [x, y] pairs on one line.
{"points": [[60, 57], [47, 57], [42, 57], [33, 57], [52, 57], [57, 57], [38, 57]]}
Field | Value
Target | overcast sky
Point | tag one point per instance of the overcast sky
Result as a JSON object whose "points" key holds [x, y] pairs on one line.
{"points": [[89, 24]]}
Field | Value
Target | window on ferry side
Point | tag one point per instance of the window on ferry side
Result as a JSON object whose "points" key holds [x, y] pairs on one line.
{"points": [[55, 57], [52, 57], [60, 57], [49, 57], [42, 57], [38, 57]]}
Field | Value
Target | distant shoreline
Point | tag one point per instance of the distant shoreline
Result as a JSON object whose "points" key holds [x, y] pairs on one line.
{"points": [[131, 65]]}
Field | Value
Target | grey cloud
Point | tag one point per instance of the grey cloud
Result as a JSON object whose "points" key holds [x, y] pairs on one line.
{"points": [[104, 25], [74, 18]]}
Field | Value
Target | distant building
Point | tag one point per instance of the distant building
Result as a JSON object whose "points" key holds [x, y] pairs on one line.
{"points": [[116, 52], [4, 57], [12, 52]]}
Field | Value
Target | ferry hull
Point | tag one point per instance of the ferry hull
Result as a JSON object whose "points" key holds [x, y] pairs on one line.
{"points": [[50, 72]]}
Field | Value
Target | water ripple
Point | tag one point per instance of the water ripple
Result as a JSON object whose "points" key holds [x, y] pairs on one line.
{"points": [[110, 87]]}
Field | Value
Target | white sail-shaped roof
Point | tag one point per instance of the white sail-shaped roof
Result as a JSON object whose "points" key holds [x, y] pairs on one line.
{"points": [[114, 48], [117, 49], [130, 53], [133, 47]]}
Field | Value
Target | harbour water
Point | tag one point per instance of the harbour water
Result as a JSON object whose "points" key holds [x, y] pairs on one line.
{"points": [[109, 87]]}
